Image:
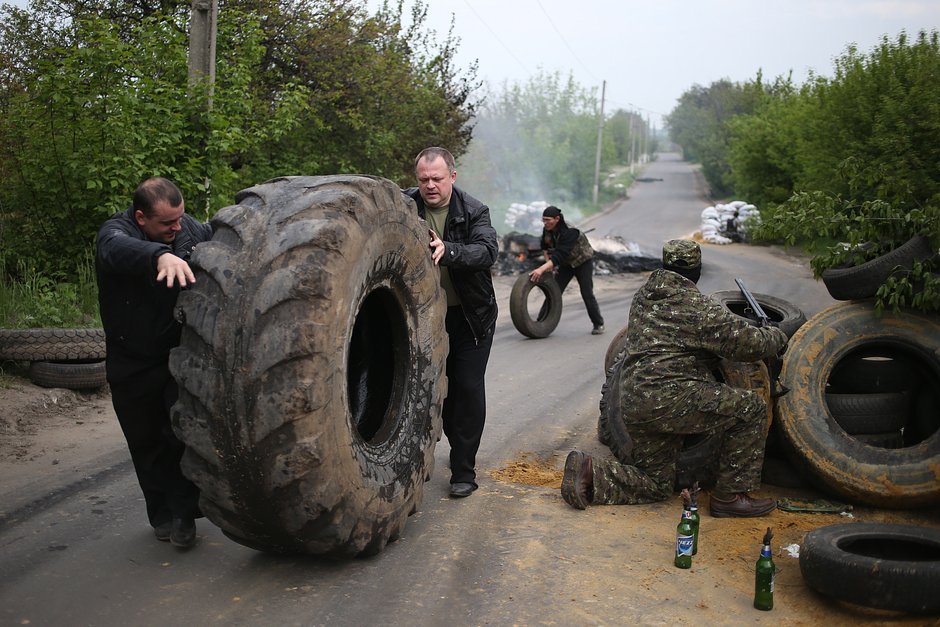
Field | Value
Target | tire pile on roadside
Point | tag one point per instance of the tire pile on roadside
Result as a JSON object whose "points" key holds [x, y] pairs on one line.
{"points": [[58, 358], [861, 421], [862, 418]]}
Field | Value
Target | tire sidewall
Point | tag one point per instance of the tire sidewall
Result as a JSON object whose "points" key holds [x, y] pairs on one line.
{"points": [[881, 477], [388, 261]]}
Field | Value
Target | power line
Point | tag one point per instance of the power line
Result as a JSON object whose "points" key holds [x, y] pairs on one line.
{"points": [[496, 37], [564, 41]]}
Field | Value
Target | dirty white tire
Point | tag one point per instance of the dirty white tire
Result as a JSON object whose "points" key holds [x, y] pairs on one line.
{"points": [[903, 477]]}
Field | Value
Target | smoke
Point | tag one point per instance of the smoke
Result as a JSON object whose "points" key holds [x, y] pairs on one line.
{"points": [[500, 170]]}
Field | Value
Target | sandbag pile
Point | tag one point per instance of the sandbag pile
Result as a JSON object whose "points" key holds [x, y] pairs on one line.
{"points": [[727, 223], [526, 218]]}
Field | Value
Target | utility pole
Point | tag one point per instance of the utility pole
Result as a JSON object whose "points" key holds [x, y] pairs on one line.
{"points": [[646, 139], [600, 136], [633, 132], [202, 33]]}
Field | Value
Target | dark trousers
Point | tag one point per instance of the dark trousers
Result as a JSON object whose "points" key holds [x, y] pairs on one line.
{"points": [[142, 405], [585, 275], [464, 409]]}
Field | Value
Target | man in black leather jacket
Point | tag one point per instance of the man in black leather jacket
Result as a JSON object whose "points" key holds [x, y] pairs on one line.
{"points": [[463, 244], [141, 264]]}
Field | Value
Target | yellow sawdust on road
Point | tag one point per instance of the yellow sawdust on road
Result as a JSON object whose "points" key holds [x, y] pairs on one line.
{"points": [[530, 470]]}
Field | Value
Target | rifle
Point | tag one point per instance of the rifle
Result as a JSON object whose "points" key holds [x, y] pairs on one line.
{"points": [[774, 364]]}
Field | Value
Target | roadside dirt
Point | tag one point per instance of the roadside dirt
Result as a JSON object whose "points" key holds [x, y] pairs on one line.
{"points": [[721, 581], [51, 436]]}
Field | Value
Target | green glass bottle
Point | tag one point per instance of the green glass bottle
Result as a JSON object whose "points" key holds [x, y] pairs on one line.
{"points": [[684, 537], [696, 519], [764, 576]]}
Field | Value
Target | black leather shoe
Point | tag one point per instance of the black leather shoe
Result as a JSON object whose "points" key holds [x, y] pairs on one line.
{"points": [[577, 486], [183, 532], [740, 505], [461, 489], [162, 531]]}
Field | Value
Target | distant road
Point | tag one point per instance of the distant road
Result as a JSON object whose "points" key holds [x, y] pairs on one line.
{"points": [[660, 210]]}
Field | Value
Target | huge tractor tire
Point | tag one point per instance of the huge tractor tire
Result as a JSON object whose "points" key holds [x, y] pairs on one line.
{"points": [[885, 566], [538, 319], [905, 477], [312, 366]]}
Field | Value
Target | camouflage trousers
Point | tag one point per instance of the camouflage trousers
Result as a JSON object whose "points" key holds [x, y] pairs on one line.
{"points": [[737, 416]]}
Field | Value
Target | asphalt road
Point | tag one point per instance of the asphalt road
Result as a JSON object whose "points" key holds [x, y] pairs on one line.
{"points": [[509, 554]]}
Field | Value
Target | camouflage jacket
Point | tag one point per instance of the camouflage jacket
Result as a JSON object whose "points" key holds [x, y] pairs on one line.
{"points": [[676, 336]]}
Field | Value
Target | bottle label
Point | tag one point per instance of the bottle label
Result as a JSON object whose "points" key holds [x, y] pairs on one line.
{"points": [[684, 545]]}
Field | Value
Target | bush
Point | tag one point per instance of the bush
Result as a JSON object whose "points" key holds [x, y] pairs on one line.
{"points": [[33, 299]]}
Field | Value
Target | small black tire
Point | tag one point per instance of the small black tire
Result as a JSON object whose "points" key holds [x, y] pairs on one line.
{"points": [[862, 281], [547, 319], [788, 316], [870, 413], [611, 428], [70, 375], [884, 566], [51, 344]]}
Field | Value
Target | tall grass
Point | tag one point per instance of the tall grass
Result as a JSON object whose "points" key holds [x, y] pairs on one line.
{"points": [[31, 299]]}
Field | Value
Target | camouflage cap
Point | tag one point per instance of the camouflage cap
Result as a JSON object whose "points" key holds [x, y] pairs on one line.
{"points": [[682, 253]]}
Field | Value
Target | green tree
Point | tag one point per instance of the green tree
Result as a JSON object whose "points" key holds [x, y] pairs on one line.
{"points": [[537, 140], [868, 178], [380, 90], [882, 110], [94, 97], [764, 147], [699, 124]]}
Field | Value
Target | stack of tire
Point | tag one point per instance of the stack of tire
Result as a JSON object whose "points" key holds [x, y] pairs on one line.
{"points": [[862, 417], [58, 358]]}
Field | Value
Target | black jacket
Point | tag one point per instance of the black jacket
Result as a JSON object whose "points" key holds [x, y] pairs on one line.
{"points": [[559, 243], [136, 311], [470, 250]]}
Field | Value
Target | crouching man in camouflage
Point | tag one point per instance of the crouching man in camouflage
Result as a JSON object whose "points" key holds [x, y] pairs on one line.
{"points": [[675, 338]]}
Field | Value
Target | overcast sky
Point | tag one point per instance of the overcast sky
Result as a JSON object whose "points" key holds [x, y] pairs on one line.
{"points": [[650, 52]]}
